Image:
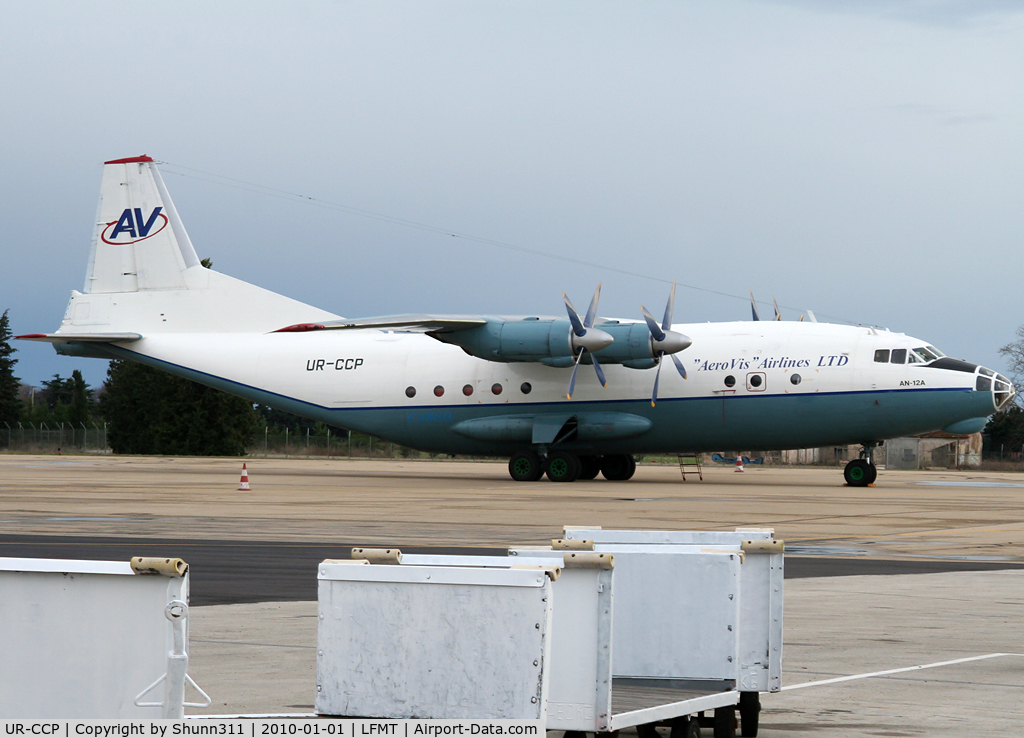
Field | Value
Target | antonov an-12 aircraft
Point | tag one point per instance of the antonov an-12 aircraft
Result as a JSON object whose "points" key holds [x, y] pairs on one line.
{"points": [[491, 385]]}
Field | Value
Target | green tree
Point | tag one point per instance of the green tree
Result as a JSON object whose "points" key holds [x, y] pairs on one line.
{"points": [[57, 393], [79, 411], [151, 412], [1005, 431], [10, 403]]}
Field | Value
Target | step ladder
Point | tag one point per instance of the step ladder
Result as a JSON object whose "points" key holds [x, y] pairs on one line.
{"points": [[691, 462]]}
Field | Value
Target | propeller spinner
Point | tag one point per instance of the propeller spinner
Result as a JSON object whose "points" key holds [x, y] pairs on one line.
{"points": [[665, 341], [585, 338]]}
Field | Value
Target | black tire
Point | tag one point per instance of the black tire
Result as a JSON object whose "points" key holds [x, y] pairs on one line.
{"points": [[647, 730], [725, 722], [873, 474], [750, 711], [562, 466], [859, 473], [591, 466], [685, 727], [525, 466], [618, 467]]}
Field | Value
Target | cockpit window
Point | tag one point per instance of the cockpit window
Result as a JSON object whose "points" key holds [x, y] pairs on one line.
{"points": [[935, 351], [882, 356], [926, 353], [899, 356], [913, 358]]}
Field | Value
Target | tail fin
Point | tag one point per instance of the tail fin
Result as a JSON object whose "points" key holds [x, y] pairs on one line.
{"points": [[144, 276], [139, 242]]}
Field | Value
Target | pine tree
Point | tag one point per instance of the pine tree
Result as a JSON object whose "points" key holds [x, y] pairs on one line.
{"points": [[79, 412], [10, 402]]}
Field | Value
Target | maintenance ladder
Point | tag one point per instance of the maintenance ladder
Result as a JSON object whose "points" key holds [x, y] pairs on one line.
{"points": [[693, 462]]}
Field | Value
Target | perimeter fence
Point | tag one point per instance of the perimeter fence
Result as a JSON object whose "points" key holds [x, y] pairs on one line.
{"points": [[30, 438], [63, 438]]}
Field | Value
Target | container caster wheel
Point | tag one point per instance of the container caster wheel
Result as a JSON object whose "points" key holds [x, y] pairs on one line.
{"points": [[750, 710]]}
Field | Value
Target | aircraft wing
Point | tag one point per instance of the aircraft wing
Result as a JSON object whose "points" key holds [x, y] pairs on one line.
{"points": [[81, 337], [402, 323]]}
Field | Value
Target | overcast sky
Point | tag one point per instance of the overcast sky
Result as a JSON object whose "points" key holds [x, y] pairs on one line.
{"points": [[864, 160]]}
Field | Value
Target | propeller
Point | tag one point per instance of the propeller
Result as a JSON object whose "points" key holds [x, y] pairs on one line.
{"points": [[753, 307], [665, 341], [585, 338], [778, 315]]}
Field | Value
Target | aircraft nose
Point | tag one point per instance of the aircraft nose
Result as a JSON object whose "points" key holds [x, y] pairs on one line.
{"points": [[1001, 387]]}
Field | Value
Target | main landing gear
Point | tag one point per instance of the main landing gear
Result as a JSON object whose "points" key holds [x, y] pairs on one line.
{"points": [[862, 472], [563, 466]]}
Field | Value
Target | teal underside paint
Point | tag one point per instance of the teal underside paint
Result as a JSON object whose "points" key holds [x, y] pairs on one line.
{"points": [[761, 422]]}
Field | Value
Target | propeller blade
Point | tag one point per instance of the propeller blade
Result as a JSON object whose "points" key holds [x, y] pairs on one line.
{"points": [[657, 376], [574, 318], [588, 321], [600, 371], [778, 315], [572, 379], [666, 323], [753, 306], [679, 365], [656, 331]]}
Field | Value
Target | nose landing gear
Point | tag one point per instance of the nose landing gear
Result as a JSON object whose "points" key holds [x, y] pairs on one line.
{"points": [[862, 472]]}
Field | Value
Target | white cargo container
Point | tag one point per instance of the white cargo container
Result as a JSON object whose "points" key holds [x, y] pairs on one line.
{"points": [[669, 606], [579, 652], [93, 639]]}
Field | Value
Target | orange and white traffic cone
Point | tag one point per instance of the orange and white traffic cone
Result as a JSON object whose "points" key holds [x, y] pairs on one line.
{"points": [[243, 486], [739, 463]]}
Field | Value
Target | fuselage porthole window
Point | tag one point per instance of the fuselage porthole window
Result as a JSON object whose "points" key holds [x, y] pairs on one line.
{"points": [[467, 390], [899, 356], [794, 378], [882, 356], [730, 381], [755, 380], [496, 388], [410, 391], [438, 391], [526, 388]]}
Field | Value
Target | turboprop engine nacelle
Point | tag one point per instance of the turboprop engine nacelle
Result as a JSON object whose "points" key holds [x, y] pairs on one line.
{"points": [[552, 342]]}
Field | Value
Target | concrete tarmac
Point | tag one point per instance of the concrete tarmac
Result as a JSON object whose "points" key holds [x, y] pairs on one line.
{"points": [[964, 528]]}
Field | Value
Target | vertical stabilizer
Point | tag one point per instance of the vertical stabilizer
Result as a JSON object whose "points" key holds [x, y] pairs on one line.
{"points": [[139, 243]]}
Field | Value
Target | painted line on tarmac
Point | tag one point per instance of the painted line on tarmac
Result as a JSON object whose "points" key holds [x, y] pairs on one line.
{"points": [[970, 484], [905, 669]]}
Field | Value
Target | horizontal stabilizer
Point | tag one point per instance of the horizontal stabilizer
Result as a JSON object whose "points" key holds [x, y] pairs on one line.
{"points": [[81, 337]]}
